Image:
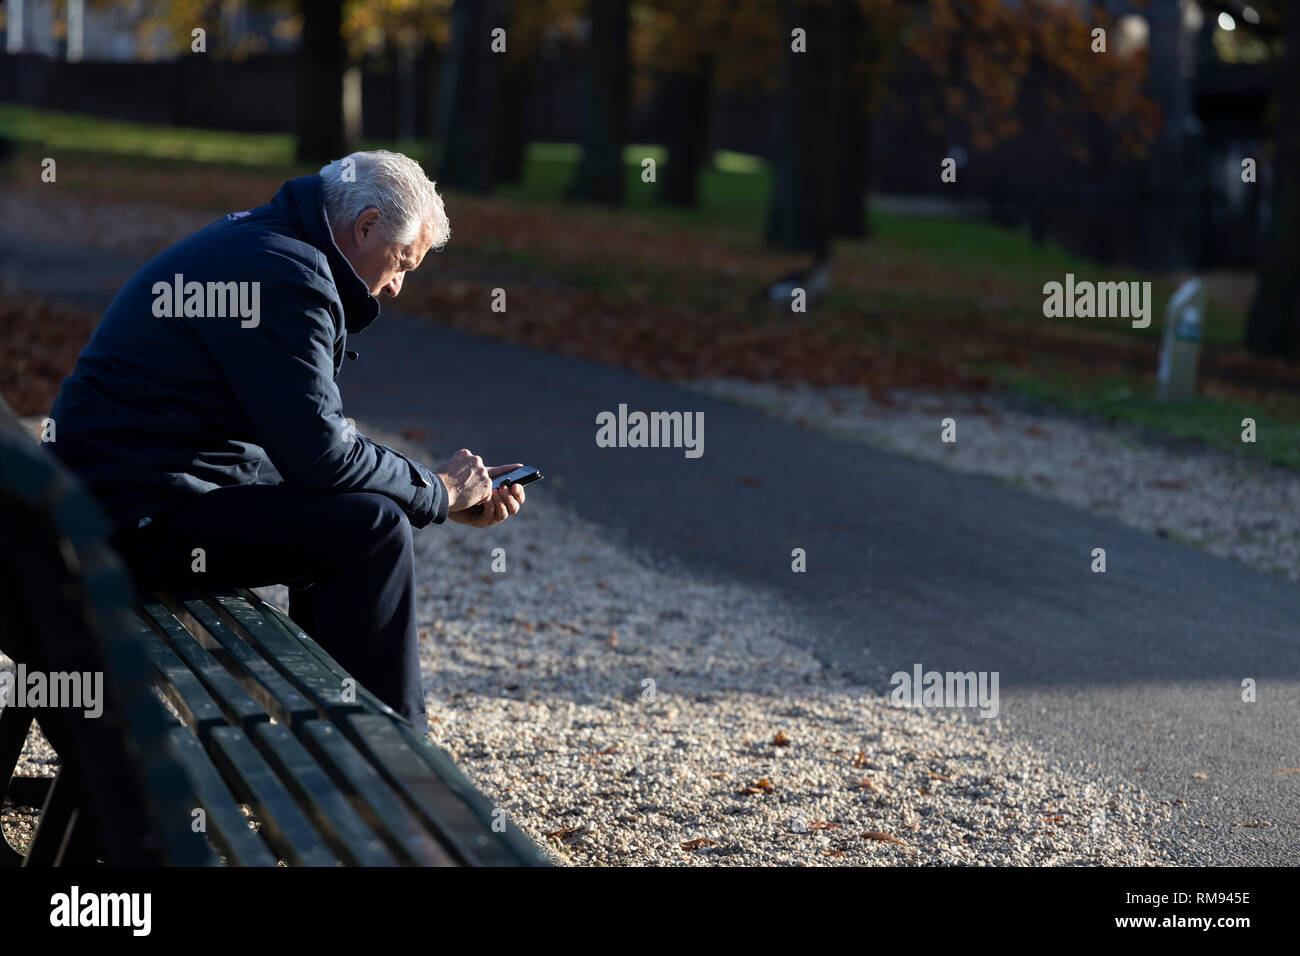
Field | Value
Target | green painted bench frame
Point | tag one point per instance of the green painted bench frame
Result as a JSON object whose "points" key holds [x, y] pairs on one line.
{"points": [[215, 702]]}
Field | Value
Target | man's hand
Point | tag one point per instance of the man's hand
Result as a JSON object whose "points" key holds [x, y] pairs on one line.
{"points": [[468, 480], [469, 487], [502, 503]]}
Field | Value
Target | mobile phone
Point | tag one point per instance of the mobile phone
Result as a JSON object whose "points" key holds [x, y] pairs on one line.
{"points": [[520, 476]]}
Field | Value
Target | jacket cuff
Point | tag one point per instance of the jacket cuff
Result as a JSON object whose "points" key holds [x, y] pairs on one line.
{"points": [[431, 499], [444, 500]]}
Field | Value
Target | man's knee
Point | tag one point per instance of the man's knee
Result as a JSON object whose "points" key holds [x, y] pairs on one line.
{"points": [[381, 518]]}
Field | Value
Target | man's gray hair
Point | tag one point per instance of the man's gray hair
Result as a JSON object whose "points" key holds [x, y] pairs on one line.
{"points": [[390, 182]]}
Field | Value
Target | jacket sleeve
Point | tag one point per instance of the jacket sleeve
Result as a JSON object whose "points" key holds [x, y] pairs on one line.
{"points": [[281, 372]]}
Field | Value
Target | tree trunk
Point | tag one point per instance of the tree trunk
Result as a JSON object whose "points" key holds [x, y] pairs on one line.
{"points": [[600, 173], [799, 216], [687, 100], [322, 132], [402, 63], [467, 98], [1273, 327], [848, 214], [511, 144]]}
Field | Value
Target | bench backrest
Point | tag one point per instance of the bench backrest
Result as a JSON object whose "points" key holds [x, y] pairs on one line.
{"points": [[64, 608]]}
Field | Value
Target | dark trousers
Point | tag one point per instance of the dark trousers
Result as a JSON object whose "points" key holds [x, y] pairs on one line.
{"points": [[347, 559]]}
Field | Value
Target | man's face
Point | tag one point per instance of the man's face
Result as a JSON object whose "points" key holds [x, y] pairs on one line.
{"points": [[382, 264]]}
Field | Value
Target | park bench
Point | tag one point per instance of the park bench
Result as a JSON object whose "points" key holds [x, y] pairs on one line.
{"points": [[215, 707]]}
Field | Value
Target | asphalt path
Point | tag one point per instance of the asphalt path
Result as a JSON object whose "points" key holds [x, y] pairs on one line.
{"points": [[1136, 672]]}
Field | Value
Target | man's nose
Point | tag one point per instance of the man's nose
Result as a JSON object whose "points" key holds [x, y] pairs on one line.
{"points": [[395, 286]]}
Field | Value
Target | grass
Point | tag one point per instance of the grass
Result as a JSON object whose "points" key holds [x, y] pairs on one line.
{"points": [[968, 248], [89, 134], [733, 192], [1215, 422], [928, 265]]}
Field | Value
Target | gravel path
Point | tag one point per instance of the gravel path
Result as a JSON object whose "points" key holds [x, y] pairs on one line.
{"points": [[1232, 507], [743, 751]]}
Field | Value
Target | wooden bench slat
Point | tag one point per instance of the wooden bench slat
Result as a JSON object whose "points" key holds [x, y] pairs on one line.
{"points": [[283, 825], [227, 825], [403, 768], [178, 683], [368, 701], [454, 779], [284, 652], [235, 702], [355, 843], [375, 799], [334, 780], [518, 847], [266, 685]]}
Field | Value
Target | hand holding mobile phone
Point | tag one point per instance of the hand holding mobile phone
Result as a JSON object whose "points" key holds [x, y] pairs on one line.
{"points": [[520, 476]]}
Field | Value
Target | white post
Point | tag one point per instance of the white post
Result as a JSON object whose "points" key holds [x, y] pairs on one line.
{"points": [[14, 29], [76, 30]]}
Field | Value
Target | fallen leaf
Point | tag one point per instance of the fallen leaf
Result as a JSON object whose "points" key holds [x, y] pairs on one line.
{"points": [[561, 835], [882, 837], [763, 786], [698, 842], [823, 825]]}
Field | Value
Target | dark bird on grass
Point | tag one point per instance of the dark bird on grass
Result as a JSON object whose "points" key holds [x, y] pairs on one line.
{"points": [[815, 282]]}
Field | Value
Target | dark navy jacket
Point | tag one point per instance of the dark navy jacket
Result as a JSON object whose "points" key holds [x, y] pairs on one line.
{"points": [[161, 407]]}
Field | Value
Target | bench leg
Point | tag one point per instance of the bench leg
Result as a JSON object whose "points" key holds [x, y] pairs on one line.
{"points": [[14, 726], [56, 827]]}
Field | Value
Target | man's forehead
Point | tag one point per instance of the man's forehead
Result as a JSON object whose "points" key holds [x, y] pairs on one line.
{"points": [[423, 240]]}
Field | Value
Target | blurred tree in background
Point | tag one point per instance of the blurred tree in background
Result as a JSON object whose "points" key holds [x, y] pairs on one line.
{"points": [[977, 55], [467, 97], [1273, 326], [690, 50], [325, 130], [991, 68], [600, 172]]}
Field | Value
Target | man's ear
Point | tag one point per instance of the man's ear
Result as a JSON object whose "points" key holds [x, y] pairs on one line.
{"points": [[366, 226]]}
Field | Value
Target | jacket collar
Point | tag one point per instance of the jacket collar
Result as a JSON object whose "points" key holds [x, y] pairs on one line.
{"points": [[304, 199]]}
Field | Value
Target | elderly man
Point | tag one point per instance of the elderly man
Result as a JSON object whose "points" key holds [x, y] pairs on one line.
{"points": [[204, 415]]}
